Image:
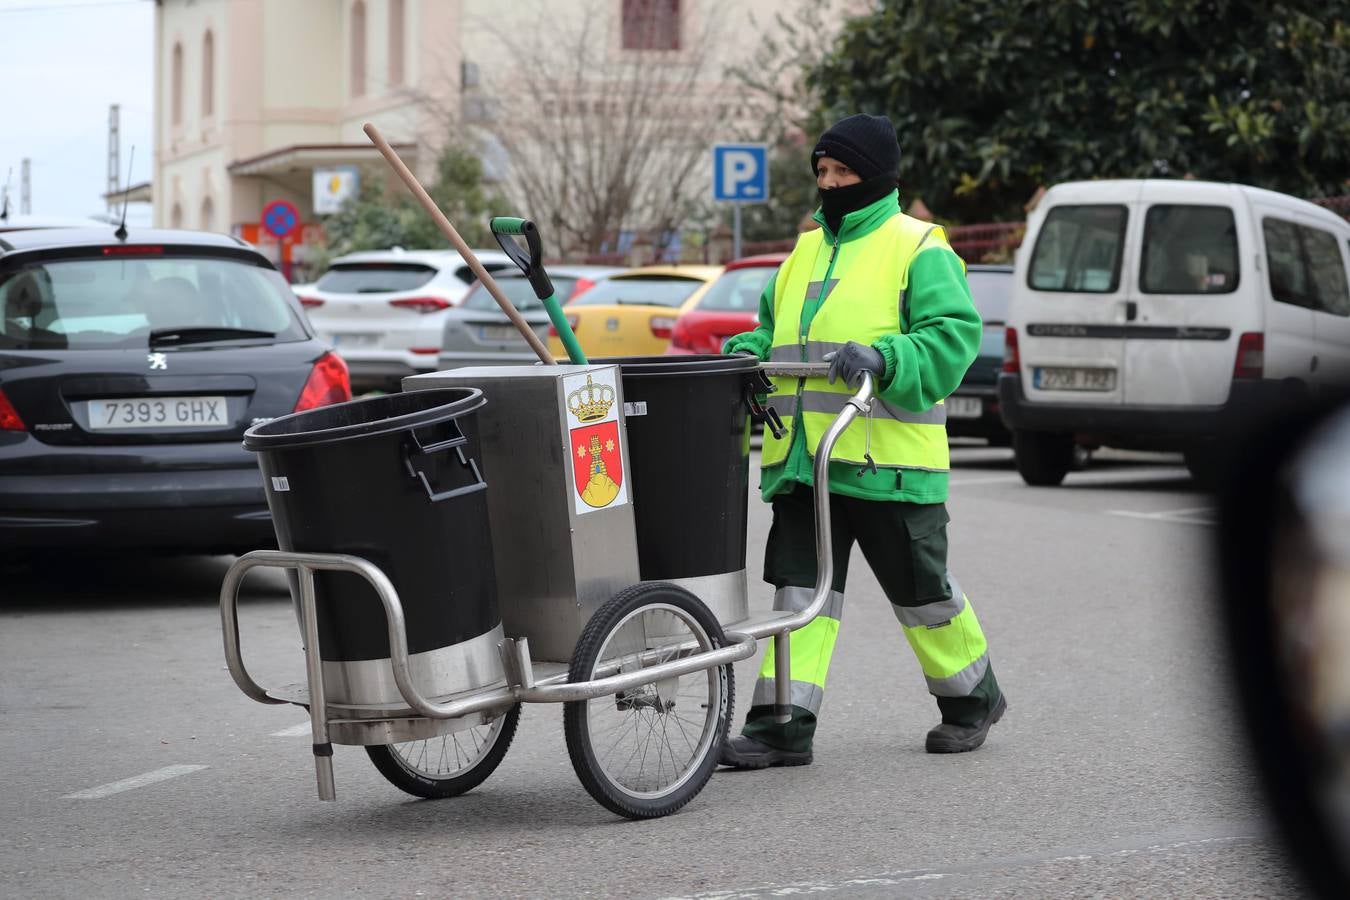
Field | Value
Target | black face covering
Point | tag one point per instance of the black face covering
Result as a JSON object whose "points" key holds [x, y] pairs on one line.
{"points": [[839, 202]]}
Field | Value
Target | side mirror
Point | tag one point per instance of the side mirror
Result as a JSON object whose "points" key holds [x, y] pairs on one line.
{"points": [[1284, 558]]}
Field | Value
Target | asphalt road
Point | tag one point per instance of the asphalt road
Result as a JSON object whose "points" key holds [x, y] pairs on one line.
{"points": [[1118, 771]]}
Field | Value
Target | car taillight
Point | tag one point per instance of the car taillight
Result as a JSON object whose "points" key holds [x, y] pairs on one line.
{"points": [[9, 416], [328, 382], [1012, 363], [1251, 355], [572, 322], [679, 337], [662, 326], [422, 304], [425, 349], [582, 286], [308, 302]]}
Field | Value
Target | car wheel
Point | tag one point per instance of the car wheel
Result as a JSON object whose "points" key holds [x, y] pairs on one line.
{"points": [[1043, 458]]}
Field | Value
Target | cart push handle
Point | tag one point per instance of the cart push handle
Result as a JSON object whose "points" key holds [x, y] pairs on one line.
{"points": [[506, 229]]}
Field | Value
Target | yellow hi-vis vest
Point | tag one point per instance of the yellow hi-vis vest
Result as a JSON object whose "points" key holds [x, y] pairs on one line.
{"points": [[863, 299]]}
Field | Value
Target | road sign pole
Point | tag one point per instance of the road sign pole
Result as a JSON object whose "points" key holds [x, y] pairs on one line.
{"points": [[736, 230]]}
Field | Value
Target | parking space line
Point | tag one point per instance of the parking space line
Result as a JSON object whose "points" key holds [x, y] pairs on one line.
{"points": [[1200, 515], [128, 784], [294, 731]]}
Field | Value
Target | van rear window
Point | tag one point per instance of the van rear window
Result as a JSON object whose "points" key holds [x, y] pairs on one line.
{"points": [[1078, 250], [1189, 250]]}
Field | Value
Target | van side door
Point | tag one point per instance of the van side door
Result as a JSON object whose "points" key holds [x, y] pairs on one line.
{"points": [[1324, 253], [1189, 302], [1288, 296]]}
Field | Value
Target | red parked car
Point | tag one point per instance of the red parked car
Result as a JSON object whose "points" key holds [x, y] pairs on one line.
{"points": [[729, 307]]}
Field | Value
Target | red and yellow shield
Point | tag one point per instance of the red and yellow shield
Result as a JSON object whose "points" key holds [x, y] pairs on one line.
{"points": [[597, 463]]}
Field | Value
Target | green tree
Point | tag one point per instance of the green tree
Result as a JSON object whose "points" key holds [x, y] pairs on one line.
{"points": [[992, 98], [376, 221]]}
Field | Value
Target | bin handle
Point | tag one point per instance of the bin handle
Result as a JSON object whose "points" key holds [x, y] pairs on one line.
{"points": [[456, 439], [455, 443]]}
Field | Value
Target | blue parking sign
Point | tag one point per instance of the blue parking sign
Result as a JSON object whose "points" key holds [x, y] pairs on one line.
{"points": [[741, 172]]}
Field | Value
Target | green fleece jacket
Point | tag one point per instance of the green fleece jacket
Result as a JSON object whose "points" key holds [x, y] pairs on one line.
{"points": [[924, 363]]}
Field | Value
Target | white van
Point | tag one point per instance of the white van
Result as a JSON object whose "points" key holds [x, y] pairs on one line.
{"points": [[1144, 310]]}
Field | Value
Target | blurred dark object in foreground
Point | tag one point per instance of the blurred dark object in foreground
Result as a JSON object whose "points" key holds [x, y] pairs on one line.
{"points": [[1284, 556]]}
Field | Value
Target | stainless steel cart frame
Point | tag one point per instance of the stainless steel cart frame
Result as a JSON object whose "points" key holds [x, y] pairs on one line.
{"points": [[356, 724]]}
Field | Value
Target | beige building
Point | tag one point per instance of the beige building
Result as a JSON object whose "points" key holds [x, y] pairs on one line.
{"points": [[254, 96]]}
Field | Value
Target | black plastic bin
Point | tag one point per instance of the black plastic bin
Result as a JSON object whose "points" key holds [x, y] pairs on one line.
{"points": [[393, 479], [690, 460]]}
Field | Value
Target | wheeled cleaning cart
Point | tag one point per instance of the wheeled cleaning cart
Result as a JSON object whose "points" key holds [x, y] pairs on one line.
{"points": [[476, 543]]}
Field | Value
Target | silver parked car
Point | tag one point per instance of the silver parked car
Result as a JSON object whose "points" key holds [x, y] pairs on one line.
{"points": [[384, 310], [478, 333]]}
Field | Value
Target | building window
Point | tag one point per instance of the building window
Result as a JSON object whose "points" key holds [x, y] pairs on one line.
{"points": [[176, 217], [651, 24], [176, 88], [208, 215], [208, 75], [395, 42], [358, 49]]}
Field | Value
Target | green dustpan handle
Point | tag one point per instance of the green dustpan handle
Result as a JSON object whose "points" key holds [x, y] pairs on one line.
{"points": [[504, 229]]}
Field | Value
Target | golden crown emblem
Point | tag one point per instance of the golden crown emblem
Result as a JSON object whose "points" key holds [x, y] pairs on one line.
{"points": [[591, 402]]}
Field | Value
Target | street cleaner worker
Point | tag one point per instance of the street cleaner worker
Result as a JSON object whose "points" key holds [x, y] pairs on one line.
{"points": [[871, 290]]}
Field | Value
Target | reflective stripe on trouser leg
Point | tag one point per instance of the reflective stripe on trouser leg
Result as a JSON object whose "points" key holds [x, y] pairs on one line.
{"points": [[953, 654], [812, 646]]}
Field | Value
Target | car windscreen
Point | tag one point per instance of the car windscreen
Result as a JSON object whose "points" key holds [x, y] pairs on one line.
{"points": [[649, 290], [518, 291], [737, 290], [1078, 250], [990, 291], [91, 304], [374, 278]]}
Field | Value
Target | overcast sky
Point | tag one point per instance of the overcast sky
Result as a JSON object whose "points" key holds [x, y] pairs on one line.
{"points": [[64, 62]]}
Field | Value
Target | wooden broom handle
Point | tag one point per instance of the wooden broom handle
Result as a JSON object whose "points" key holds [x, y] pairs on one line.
{"points": [[458, 242]]}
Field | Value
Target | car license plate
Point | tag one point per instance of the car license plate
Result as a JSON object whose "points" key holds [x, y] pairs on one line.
{"points": [[353, 339], [963, 407], [500, 333], [1063, 379], [158, 412]]}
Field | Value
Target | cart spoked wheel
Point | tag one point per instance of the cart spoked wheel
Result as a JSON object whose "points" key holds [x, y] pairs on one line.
{"points": [[451, 764], [648, 750]]}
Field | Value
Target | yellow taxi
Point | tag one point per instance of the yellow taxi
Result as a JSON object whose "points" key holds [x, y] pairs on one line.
{"points": [[633, 312]]}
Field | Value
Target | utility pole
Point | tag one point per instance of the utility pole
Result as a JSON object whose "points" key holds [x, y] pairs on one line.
{"points": [[25, 189], [114, 166]]}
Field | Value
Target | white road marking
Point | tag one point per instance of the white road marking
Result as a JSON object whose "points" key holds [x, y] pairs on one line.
{"points": [[294, 730], [1200, 515], [896, 879], [128, 784]]}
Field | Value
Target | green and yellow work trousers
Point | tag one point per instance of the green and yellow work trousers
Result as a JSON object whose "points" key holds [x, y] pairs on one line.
{"points": [[905, 544]]}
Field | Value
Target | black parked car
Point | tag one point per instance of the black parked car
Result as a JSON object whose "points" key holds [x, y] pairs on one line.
{"points": [[972, 409], [129, 370]]}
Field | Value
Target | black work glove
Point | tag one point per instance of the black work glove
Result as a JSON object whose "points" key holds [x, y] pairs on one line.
{"points": [[851, 360]]}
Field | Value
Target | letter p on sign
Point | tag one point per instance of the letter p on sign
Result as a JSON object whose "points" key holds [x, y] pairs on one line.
{"points": [[740, 172]]}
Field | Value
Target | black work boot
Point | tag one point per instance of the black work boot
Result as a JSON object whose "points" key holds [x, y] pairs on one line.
{"points": [[948, 738], [741, 752]]}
